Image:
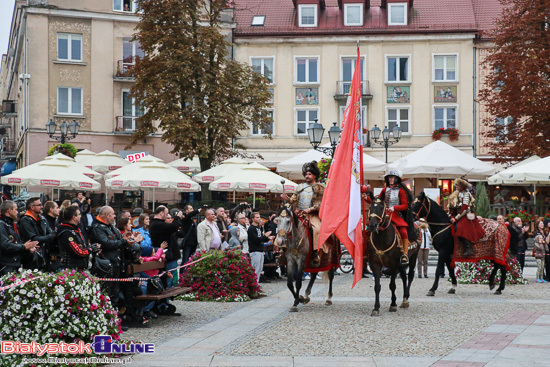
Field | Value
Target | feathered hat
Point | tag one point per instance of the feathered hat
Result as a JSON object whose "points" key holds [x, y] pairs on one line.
{"points": [[311, 167]]}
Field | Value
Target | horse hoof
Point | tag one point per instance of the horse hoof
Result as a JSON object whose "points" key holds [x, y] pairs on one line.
{"points": [[305, 300], [393, 308], [293, 309], [498, 292], [430, 294], [491, 287], [301, 298], [375, 313], [328, 302], [451, 291], [404, 305]]}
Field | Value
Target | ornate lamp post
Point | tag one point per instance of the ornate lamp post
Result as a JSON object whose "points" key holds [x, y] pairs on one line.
{"points": [[315, 133], [64, 129], [386, 142]]}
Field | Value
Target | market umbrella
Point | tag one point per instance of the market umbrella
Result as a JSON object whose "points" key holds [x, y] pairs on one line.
{"points": [[155, 176], [510, 176], [52, 173], [83, 154], [217, 172], [439, 159], [104, 162], [187, 165], [253, 178], [141, 162], [74, 165], [292, 168]]}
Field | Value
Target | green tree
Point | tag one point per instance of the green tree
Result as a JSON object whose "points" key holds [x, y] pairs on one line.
{"points": [[516, 92], [482, 205], [200, 99]]}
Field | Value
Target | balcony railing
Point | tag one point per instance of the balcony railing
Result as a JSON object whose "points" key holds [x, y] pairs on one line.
{"points": [[7, 148], [125, 68], [343, 87], [126, 124]]}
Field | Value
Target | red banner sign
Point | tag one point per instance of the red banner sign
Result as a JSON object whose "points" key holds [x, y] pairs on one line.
{"points": [[149, 183], [49, 182], [257, 186]]}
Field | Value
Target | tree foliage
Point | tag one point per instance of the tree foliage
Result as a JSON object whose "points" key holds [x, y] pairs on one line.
{"points": [[518, 85], [187, 83]]}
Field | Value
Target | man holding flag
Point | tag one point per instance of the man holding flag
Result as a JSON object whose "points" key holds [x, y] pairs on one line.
{"points": [[341, 208]]}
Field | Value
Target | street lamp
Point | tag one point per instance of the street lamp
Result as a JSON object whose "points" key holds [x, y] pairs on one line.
{"points": [[386, 142], [316, 132], [64, 129]]}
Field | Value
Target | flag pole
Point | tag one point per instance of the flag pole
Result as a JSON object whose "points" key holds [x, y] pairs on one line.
{"points": [[362, 173]]}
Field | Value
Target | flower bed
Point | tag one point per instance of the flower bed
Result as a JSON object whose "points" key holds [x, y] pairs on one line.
{"points": [[52, 308], [453, 133], [226, 276], [67, 149], [522, 214], [478, 273]]}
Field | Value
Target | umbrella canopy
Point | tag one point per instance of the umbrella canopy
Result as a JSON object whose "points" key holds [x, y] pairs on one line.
{"points": [[292, 168], [104, 162], [253, 178], [153, 175], [187, 165], [132, 166], [53, 173], [441, 159], [535, 172], [509, 175], [215, 173], [84, 154], [75, 166]]}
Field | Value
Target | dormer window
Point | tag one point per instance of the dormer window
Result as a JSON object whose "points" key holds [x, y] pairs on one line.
{"points": [[397, 14], [258, 20], [307, 15], [353, 14]]}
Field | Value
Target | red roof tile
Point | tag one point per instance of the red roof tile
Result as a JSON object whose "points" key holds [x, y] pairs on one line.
{"points": [[426, 16]]}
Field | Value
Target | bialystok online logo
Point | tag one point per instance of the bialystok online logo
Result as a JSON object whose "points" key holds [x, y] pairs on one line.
{"points": [[102, 344]]}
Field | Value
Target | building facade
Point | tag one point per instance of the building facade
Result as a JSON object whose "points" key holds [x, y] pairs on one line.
{"points": [[418, 61]]}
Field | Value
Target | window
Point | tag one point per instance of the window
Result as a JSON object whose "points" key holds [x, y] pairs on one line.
{"points": [[348, 68], [125, 5], [257, 131], [445, 68], [353, 14], [263, 66], [397, 14], [307, 15], [69, 101], [258, 20], [397, 69], [130, 112], [445, 117], [69, 47], [502, 128], [363, 115], [304, 117], [398, 117], [130, 51], [306, 70]]}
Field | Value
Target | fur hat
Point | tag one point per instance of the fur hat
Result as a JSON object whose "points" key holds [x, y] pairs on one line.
{"points": [[462, 183], [311, 167]]}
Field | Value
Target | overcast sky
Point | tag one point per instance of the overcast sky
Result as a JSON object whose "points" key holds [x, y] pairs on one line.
{"points": [[6, 11]]}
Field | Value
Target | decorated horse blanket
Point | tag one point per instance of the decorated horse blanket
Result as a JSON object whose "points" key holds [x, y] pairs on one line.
{"points": [[329, 259], [493, 246]]}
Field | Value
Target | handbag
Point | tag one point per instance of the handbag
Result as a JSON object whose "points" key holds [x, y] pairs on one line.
{"points": [[101, 267], [154, 285]]}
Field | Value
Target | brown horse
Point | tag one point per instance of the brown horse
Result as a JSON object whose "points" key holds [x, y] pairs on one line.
{"points": [[293, 234], [383, 249]]}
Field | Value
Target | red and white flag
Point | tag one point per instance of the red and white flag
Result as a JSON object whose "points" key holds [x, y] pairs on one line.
{"points": [[341, 206]]}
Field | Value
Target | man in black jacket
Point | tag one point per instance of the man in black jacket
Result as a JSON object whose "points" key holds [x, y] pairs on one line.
{"points": [[34, 227], [189, 229], [256, 240], [51, 213], [12, 249], [112, 244], [74, 252], [161, 231]]}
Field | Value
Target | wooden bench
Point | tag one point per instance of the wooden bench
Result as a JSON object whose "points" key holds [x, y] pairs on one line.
{"points": [[167, 293]]}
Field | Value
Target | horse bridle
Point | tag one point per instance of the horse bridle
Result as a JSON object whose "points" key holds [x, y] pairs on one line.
{"points": [[281, 233], [428, 208], [383, 218]]}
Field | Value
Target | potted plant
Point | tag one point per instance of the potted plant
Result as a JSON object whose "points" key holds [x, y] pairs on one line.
{"points": [[452, 132]]}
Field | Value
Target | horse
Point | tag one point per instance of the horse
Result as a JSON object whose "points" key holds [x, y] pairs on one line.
{"points": [[443, 242], [383, 251], [293, 234]]}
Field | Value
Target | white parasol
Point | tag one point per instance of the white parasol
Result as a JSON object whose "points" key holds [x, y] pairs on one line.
{"points": [[187, 165], [217, 172], [104, 162]]}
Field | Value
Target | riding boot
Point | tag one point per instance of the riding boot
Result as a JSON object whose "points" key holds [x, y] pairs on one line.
{"points": [[405, 257], [316, 258], [467, 247]]}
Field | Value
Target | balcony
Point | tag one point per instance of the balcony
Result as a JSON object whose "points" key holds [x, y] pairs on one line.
{"points": [[124, 70], [126, 124], [8, 108], [343, 87], [7, 148]]}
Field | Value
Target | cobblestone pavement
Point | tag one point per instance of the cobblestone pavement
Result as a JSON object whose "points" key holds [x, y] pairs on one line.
{"points": [[472, 328]]}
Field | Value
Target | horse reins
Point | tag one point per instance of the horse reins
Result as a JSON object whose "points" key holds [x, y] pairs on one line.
{"points": [[428, 208]]}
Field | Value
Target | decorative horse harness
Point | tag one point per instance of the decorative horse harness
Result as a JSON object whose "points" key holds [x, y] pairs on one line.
{"points": [[428, 208], [281, 233], [382, 219]]}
